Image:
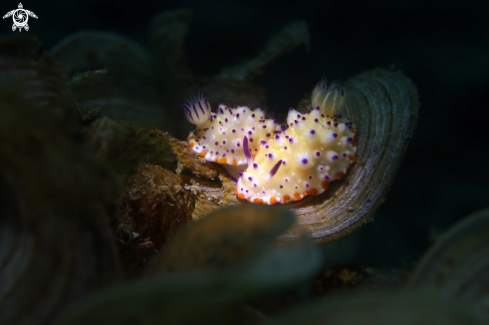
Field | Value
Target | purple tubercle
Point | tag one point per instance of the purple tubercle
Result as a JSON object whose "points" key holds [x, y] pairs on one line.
{"points": [[334, 157], [335, 135], [318, 153], [255, 166], [312, 132], [304, 161], [246, 150], [275, 168]]}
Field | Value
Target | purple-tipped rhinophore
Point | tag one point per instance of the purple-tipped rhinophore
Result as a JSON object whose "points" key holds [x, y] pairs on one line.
{"points": [[197, 109], [275, 168], [246, 150]]}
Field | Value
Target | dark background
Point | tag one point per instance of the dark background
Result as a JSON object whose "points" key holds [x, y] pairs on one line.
{"points": [[443, 47]]}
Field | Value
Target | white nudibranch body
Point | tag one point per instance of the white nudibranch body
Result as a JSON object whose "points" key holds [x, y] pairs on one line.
{"points": [[285, 163], [315, 150], [220, 137]]}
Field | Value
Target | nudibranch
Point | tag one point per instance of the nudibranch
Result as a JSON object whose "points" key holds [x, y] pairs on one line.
{"points": [[219, 137], [318, 147]]}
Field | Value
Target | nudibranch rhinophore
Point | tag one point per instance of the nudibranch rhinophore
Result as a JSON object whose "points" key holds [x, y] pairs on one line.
{"points": [[219, 137], [285, 163], [317, 148]]}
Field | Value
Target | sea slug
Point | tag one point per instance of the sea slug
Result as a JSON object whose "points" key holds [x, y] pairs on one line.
{"points": [[285, 163], [219, 137]]}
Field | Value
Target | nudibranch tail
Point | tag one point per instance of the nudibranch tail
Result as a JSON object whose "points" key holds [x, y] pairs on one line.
{"points": [[197, 109], [330, 100]]}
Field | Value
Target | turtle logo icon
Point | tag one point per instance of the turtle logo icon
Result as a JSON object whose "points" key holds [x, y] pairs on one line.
{"points": [[20, 17]]}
